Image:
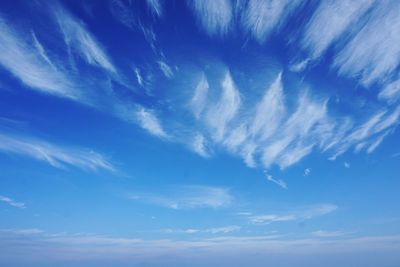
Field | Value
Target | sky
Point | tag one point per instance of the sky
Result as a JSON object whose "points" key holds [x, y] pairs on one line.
{"points": [[199, 133]]}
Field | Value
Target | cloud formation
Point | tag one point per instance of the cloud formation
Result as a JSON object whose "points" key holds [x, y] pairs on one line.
{"points": [[187, 197], [148, 121], [30, 64], [81, 42], [12, 202], [215, 16], [55, 155], [300, 214]]}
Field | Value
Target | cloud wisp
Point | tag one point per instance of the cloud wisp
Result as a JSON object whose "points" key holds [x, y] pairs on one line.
{"points": [[81, 42], [214, 230], [33, 69], [276, 133], [330, 21], [187, 197], [261, 17], [12, 202], [148, 121], [278, 182], [215, 16], [300, 214], [55, 155]]}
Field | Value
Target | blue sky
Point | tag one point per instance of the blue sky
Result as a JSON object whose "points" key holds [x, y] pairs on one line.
{"points": [[199, 133]]}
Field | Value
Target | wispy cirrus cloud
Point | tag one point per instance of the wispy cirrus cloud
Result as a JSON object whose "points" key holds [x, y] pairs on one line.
{"points": [[278, 182], [55, 155], [215, 16], [165, 69], [81, 42], [30, 64], [390, 92], [372, 54], [330, 21], [299, 214], [148, 121], [187, 197], [225, 109], [324, 233], [156, 6], [12, 202], [199, 145], [273, 132], [261, 17], [215, 230], [199, 99]]}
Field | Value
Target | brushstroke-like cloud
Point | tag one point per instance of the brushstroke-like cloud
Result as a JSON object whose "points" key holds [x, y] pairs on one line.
{"points": [[12, 202], [31, 65], [261, 17], [79, 40], [215, 16], [148, 121], [278, 182], [330, 21], [372, 55], [220, 114], [188, 197], [300, 214], [55, 155]]}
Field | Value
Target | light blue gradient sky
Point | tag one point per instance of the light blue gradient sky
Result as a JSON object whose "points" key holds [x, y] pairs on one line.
{"points": [[201, 133]]}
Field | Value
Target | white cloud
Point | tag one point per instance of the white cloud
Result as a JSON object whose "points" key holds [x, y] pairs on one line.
{"points": [[273, 132], [225, 229], [270, 111], [40, 49], [188, 197], [298, 135], [12, 202], [215, 230], [261, 17], [270, 218], [278, 182], [78, 39], [346, 165], [299, 214], [323, 233], [331, 20], [307, 172], [225, 109], [299, 66], [374, 129], [31, 65], [123, 12], [198, 101], [148, 121], [139, 77], [373, 53], [166, 70], [215, 16], [391, 92], [54, 155], [155, 6], [199, 146]]}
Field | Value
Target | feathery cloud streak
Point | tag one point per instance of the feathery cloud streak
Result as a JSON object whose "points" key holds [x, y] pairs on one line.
{"points": [[302, 214], [12, 202], [33, 69], [188, 197], [55, 155]]}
